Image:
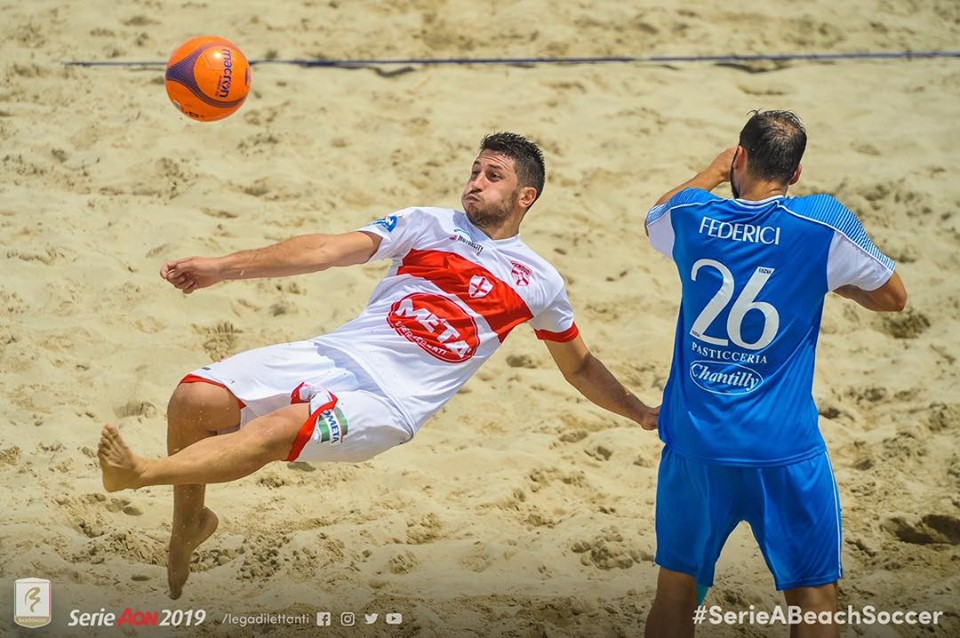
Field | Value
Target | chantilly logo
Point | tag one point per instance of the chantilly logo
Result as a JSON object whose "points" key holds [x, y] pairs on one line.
{"points": [[32, 602], [724, 378]]}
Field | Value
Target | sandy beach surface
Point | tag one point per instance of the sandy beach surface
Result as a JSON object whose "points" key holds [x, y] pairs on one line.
{"points": [[521, 510]]}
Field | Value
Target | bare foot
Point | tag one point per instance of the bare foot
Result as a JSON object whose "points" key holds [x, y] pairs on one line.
{"points": [[120, 466], [182, 543]]}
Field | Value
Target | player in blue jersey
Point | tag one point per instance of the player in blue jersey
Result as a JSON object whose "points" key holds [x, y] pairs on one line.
{"points": [[738, 420]]}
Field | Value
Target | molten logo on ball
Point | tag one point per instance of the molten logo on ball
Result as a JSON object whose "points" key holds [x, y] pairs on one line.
{"points": [[207, 78], [223, 89]]}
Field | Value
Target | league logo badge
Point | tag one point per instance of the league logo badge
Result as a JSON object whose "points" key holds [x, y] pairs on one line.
{"points": [[32, 598]]}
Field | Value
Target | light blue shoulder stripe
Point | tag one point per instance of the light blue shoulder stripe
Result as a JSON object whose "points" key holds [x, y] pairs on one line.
{"points": [[826, 210], [686, 197], [656, 213]]}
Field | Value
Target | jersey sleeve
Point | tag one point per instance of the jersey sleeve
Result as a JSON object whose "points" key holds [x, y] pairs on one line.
{"points": [[853, 258], [851, 262], [556, 322], [659, 219], [398, 231], [660, 229]]}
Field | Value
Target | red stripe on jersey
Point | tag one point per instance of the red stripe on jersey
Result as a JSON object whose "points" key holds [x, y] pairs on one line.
{"points": [[484, 293], [561, 337]]}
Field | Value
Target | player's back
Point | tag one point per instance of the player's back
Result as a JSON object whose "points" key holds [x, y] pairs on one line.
{"points": [[754, 276]]}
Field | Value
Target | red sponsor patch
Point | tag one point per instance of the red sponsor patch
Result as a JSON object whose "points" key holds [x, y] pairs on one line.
{"points": [[500, 305], [436, 324]]}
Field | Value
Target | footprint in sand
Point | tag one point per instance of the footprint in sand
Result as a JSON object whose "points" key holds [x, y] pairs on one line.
{"points": [[610, 551], [905, 325], [221, 340], [931, 529], [10, 455]]}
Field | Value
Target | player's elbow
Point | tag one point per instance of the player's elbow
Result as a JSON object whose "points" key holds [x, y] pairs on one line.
{"points": [[890, 297], [898, 302], [575, 379], [896, 294], [889, 302]]}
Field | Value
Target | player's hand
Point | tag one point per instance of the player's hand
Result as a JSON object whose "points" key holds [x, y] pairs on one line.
{"points": [[720, 166], [650, 418], [192, 273]]}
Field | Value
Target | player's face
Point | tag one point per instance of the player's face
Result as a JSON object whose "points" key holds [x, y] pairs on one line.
{"points": [[492, 192]]}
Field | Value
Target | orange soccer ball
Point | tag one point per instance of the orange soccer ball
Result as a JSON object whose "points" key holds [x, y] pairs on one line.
{"points": [[207, 78]]}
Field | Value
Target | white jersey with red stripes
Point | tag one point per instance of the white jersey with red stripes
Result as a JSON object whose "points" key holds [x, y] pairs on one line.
{"points": [[451, 297]]}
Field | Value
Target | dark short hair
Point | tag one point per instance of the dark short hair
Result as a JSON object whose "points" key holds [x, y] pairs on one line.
{"points": [[526, 155], [774, 141]]}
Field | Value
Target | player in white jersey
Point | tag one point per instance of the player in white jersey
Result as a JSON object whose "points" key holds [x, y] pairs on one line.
{"points": [[738, 420], [459, 283]]}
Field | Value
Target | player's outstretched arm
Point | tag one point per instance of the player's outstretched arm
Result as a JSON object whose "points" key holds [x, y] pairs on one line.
{"points": [[295, 256], [890, 297], [587, 374]]}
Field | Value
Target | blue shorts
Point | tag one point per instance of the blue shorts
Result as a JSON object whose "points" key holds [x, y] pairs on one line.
{"points": [[794, 511]]}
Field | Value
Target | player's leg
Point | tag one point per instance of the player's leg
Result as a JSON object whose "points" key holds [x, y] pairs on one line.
{"points": [[695, 513], [218, 459], [797, 524], [197, 410], [673, 607], [259, 382], [315, 427], [822, 598]]}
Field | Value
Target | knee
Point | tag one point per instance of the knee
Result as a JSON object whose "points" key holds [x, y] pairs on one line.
{"points": [[676, 588], [820, 598], [188, 398], [211, 406]]}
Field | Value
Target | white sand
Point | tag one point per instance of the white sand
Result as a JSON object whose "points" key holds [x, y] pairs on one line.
{"points": [[521, 510]]}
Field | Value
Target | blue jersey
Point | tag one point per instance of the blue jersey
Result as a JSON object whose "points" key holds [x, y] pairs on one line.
{"points": [[754, 276]]}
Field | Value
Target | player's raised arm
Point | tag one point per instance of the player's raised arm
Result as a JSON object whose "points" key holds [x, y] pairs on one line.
{"points": [[591, 378], [294, 256], [709, 178]]}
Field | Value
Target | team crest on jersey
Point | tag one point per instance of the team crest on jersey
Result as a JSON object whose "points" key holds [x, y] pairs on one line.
{"points": [[480, 287], [389, 222], [724, 378], [437, 324], [463, 237], [521, 273]]}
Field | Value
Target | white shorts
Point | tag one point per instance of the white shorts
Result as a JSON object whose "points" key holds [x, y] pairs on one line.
{"points": [[349, 422]]}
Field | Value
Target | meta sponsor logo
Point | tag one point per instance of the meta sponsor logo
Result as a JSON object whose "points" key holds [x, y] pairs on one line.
{"points": [[436, 324], [521, 273], [724, 378], [463, 237], [750, 233], [331, 426], [389, 222], [226, 79]]}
